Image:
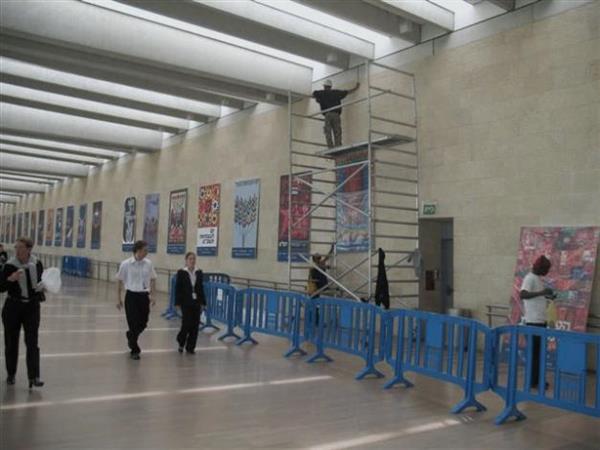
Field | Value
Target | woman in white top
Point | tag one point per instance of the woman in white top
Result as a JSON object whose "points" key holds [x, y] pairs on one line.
{"points": [[535, 298], [189, 296]]}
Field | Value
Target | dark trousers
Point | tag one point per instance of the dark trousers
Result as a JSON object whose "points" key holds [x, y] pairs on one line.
{"points": [[535, 355], [15, 314], [137, 310], [190, 321]]}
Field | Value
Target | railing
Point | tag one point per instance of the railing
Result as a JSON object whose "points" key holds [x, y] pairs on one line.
{"points": [[501, 313]]}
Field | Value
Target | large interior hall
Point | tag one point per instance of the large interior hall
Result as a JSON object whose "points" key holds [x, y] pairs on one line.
{"points": [[300, 224]]}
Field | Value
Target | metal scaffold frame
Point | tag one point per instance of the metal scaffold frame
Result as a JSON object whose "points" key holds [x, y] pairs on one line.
{"points": [[388, 175]]}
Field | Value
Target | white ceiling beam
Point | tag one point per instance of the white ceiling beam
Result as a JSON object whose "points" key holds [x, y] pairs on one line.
{"points": [[420, 11], [21, 186], [36, 177], [60, 82], [107, 32], [8, 199], [6, 176], [72, 149], [49, 101], [30, 122], [507, 5], [369, 16], [52, 155], [32, 165]]}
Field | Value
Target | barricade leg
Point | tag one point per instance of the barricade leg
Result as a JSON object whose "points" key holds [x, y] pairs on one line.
{"points": [[370, 369], [247, 325], [510, 408], [469, 400], [320, 354], [230, 319], [398, 369], [295, 347], [208, 324]]}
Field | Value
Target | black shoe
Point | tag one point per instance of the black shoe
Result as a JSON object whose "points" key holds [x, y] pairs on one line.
{"points": [[35, 382], [10, 380], [190, 352], [180, 349], [135, 356]]}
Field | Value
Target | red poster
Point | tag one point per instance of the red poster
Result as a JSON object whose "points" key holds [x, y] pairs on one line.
{"points": [[573, 252]]}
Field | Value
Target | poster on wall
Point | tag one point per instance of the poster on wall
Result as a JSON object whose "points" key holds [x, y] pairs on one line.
{"points": [[150, 234], [40, 228], [300, 220], [81, 226], [26, 224], [49, 227], [2, 229], [69, 219], [32, 227], [352, 220], [573, 253], [13, 228], [19, 225], [129, 223], [96, 225], [58, 234], [245, 221], [176, 232], [209, 205]]}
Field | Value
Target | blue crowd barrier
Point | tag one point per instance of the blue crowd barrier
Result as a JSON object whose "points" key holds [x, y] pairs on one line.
{"points": [[277, 313], [171, 312], [222, 306], [216, 277], [349, 327], [512, 371], [77, 266], [441, 347]]}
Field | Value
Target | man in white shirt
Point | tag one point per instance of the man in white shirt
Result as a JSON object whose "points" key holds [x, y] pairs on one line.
{"points": [[535, 298], [138, 276]]}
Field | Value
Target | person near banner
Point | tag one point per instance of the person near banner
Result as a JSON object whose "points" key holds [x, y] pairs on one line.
{"points": [[189, 296], [328, 99], [138, 277], [535, 297], [21, 277]]}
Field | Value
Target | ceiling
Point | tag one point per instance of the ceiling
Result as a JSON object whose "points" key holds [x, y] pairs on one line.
{"points": [[84, 82]]}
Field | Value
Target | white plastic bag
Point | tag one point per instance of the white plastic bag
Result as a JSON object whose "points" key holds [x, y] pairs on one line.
{"points": [[51, 280]]}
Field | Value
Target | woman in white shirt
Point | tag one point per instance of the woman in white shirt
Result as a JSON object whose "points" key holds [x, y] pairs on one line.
{"points": [[535, 298], [189, 296]]}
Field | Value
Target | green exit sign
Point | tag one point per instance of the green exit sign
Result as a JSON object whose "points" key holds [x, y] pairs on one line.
{"points": [[429, 208]]}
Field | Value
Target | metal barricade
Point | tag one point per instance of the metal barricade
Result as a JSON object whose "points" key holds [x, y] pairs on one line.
{"points": [[221, 306]]}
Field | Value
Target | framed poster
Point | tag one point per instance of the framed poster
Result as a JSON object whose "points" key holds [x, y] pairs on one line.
{"points": [[58, 235], [19, 225], [40, 228], [151, 210], [69, 220], [81, 226], [209, 205], [352, 200], [96, 225], [129, 224], [573, 253], [300, 220], [26, 224], [176, 232], [245, 221], [13, 228], [32, 227], [50, 227]]}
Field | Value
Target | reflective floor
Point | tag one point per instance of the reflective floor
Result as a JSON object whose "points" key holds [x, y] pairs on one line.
{"points": [[225, 396]]}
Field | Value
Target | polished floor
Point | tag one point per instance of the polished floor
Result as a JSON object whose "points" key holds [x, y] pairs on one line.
{"points": [[229, 397]]}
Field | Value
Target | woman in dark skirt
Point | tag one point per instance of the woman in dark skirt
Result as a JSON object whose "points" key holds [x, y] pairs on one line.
{"points": [[189, 296]]}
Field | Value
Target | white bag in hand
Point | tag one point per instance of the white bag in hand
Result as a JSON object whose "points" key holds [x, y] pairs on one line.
{"points": [[51, 280]]}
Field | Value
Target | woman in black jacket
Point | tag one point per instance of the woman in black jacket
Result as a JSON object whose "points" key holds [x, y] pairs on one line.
{"points": [[21, 277], [189, 296]]}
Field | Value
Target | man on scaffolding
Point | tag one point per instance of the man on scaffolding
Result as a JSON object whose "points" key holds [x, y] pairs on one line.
{"points": [[328, 99]]}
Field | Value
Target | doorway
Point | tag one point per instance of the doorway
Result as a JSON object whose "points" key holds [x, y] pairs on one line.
{"points": [[436, 287]]}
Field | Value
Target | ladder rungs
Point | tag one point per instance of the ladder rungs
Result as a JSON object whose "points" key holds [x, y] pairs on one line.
{"points": [[402, 194], [308, 117], [322, 206], [312, 155], [393, 69], [400, 208], [322, 230], [306, 166]]}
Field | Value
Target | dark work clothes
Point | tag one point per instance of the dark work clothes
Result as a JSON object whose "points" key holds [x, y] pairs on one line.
{"points": [[191, 307], [328, 98], [319, 278], [382, 287], [535, 356], [21, 309], [137, 310]]}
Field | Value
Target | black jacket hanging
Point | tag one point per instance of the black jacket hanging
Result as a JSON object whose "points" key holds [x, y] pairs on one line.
{"points": [[382, 288]]}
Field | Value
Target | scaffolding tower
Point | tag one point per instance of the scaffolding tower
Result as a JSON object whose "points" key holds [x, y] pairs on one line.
{"points": [[381, 159]]}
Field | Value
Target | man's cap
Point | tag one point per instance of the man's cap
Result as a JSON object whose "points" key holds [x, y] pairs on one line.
{"points": [[328, 83]]}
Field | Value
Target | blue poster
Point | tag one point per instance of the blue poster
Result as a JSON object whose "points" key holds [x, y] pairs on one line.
{"points": [[245, 229], [81, 226], [96, 225], [26, 224], [40, 228], [177, 228], [58, 234], [19, 225], [69, 226]]}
